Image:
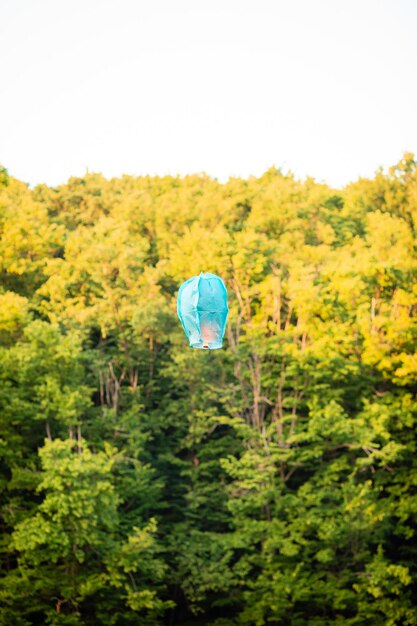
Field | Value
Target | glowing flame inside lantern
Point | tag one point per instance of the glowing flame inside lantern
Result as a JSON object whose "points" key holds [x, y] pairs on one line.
{"points": [[208, 334]]}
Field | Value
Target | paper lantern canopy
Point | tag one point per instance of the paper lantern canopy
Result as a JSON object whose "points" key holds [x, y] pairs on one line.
{"points": [[202, 309]]}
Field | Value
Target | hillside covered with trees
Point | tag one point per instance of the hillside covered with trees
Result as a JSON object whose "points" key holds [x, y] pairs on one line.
{"points": [[273, 482]]}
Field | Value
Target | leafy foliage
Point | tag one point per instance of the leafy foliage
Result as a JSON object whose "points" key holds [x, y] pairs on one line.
{"points": [[270, 483]]}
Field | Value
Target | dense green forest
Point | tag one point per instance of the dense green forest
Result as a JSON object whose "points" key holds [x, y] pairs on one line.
{"points": [[272, 482]]}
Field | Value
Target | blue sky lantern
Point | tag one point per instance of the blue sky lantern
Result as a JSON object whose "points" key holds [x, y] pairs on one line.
{"points": [[202, 309]]}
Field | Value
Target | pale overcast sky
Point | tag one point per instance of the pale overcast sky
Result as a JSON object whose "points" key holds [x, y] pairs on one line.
{"points": [[326, 88]]}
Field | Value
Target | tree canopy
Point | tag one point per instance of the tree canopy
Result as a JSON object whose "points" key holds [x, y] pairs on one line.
{"points": [[273, 482]]}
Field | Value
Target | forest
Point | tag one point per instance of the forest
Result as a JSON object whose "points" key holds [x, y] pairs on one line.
{"points": [[272, 482]]}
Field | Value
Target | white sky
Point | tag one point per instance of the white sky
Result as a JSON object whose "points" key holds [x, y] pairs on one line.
{"points": [[326, 88]]}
